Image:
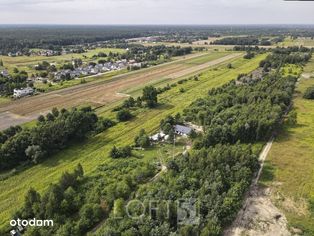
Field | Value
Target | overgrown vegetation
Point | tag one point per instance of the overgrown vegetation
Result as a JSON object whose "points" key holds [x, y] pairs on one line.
{"points": [[217, 178], [51, 134], [309, 93], [111, 190], [218, 170]]}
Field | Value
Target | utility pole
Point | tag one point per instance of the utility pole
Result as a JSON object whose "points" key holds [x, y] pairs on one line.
{"points": [[174, 144]]}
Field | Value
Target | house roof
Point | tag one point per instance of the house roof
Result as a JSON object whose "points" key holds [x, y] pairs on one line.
{"points": [[182, 129]]}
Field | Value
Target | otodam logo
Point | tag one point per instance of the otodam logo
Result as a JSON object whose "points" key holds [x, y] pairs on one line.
{"points": [[31, 222]]}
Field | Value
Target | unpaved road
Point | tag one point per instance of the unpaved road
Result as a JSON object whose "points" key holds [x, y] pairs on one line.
{"points": [[259, 216], [96, 93]]}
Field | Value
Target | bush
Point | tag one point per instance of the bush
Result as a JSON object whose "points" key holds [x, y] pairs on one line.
{"points": [[142, 140], [120, 152], [309, 93], [104, 124], [124, 115]]}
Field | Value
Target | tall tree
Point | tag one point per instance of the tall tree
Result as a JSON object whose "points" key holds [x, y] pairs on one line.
{"points": [[150, 96]]}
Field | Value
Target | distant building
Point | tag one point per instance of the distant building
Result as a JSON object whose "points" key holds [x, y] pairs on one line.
{"points": [[182, 130], [17, 93]]}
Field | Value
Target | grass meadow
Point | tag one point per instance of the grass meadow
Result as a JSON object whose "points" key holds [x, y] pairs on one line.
{"points": [[288, 42], [94, 151], [289, 169]]}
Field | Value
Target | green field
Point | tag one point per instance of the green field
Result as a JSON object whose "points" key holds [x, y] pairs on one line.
{"points": [[27, 63], [288, 42], [290, 166], [163, 81], [94, 151]]}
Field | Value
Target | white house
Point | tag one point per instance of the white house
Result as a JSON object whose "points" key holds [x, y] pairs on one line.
{"points": [[17, 93]]}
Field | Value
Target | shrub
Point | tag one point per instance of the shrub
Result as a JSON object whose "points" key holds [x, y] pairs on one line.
{"points": [[124, 115], [142, 140], [309, 93], [120, 152]]}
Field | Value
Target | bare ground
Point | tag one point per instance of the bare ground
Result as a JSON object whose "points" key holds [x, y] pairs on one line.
{"points": [[259, 216], [95, 93]]}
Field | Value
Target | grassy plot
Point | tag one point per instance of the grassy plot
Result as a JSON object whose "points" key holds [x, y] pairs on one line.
{"points": [[290, 166], [28, 62], [289, 42], [94, 151]]}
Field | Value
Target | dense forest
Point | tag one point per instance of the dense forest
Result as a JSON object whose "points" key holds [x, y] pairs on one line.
{"points": [[250, 40], [216, 177], [215, 173], [246, 113], [22, 38]]}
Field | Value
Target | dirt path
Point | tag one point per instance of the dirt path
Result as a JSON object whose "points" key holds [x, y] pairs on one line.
{"points": [[97, 93], [163, 169], [259, 216]]}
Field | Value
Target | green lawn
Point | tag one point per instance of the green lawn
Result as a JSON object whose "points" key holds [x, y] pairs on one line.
{"points": [[94, 151], [290, 165]]}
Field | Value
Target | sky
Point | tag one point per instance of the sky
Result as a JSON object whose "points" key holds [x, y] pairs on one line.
{"points": [[204, 12]]}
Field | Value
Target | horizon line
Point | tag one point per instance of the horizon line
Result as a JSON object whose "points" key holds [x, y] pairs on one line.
{"points": [[153, 24]]}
